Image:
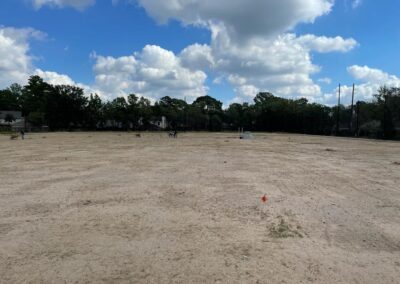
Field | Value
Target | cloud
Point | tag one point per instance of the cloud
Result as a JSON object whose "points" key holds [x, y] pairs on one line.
{"points": [[15, 61], [370, 80], [282, 65], [239, 18], [55, 78], [325, 44], [197, 56], [371, 75], [76, 4], [356, 3], [325, 80], [252, 48], [154, 72], [17, 65], [250, 44], [246, 91]]}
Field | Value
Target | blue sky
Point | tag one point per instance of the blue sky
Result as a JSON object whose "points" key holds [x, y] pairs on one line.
{"points": [[227, 49]]}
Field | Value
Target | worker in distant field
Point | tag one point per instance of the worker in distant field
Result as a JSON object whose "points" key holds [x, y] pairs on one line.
{"points": [[22, 132]]}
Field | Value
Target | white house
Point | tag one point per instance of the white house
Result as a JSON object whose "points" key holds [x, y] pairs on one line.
{"points": [[160, 123], [17, 123]]}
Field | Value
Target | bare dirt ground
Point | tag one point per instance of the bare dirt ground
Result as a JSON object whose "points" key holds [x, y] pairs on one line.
{"points": [[115, 208]]}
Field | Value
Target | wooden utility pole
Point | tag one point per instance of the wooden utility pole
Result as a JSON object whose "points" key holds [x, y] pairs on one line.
{"points": [[338, 114], [352, 110]]}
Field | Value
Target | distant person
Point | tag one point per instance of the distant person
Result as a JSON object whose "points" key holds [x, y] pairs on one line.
{"points": [[175, 134], [22, 132]]}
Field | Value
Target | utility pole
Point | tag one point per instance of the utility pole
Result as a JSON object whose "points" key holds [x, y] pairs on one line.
{"points": [[352, 110], [338, 114]]}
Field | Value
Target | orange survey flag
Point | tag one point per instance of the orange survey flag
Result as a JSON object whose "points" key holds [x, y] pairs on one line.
{"points": [[264, 198]]}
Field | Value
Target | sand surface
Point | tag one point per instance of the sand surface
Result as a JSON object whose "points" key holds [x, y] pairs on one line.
{"points": [[115, 208]]}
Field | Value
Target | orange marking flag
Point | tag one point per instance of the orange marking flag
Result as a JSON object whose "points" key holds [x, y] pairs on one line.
{"points": [[264, 199]]}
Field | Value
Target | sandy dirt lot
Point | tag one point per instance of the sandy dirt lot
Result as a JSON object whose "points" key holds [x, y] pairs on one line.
{"points": [[115, 208]]}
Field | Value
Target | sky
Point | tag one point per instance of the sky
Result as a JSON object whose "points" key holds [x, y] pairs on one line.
{"points": [[228, 49]]}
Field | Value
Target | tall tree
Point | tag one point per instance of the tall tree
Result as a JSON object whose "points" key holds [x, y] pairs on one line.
{"points": [[94, 112], [212, 112], [173, 109], [145, 112]]}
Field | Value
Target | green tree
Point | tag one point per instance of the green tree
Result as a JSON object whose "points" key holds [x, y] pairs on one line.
{"points": [[117, 112], [133, 110], [94, 112], [388, 100], [33, 99], [212, 112], [10, 98], [9, 118], [145, 112], [36, 118], [173, 109], [64, 107]]}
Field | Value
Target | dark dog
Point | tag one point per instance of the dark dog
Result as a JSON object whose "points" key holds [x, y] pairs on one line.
{"points": [[173, 134]]}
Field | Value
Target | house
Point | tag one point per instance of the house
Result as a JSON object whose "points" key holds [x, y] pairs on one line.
{"points": [[160, 123], [17, 122]]}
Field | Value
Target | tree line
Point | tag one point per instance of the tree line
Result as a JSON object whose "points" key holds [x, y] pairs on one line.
{"points": [[65, 107]]}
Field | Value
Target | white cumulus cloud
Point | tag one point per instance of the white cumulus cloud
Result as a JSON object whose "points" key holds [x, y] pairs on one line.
{"points": [[17, 65], [154, 72], [240, 18], [325, 80], [282, 65], [77, 4], [197, 56], [55, 78], [251, 42], [15, 61], [252, 48], [325, 44], [369, 81], [371, 75]]}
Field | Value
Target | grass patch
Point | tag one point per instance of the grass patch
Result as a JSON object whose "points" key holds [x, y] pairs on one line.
{"points": [[284, 230]]}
